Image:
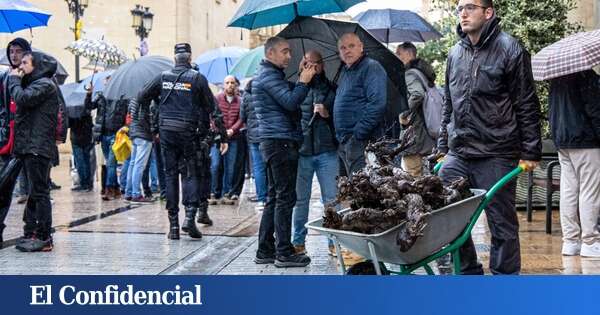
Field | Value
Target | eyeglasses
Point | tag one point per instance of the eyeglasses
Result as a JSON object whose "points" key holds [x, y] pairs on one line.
{"points": [[470, 8]]}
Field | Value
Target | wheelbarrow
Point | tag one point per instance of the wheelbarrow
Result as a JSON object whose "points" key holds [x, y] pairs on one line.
{"points": [[447, 230]]}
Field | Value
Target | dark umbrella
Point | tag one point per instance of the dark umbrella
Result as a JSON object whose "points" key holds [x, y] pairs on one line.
{"points": [[306, 33], [74, 100], [61, 72], [129, 79], [393, 26]]}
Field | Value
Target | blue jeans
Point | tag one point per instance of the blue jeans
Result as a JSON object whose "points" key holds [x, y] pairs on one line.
{"points": [[326, 166], [153, 171], [81, 155], [259, 172], [111, 161], [140, 153], [228, 167]]}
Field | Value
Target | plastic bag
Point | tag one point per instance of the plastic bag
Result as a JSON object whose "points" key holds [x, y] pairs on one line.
{"points": [[122, 146]]}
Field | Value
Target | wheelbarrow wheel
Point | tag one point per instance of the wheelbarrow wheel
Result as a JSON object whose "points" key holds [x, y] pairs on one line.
{"points": [[366, 268]]}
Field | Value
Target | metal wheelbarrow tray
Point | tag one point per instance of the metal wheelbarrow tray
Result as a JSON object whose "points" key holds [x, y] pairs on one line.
{"points": [[447, 229], [443, 226]]}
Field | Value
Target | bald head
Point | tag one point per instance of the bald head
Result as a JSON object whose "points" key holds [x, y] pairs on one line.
{"points": [[230, 85], [350, 48]]}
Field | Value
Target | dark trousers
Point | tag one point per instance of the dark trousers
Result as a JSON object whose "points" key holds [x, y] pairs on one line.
{"points": [[81, 155], [274, 236], [352, 154], [179, 155], [38, 211], [240, 166], [6, 191], [160, 168], [505, 253]]}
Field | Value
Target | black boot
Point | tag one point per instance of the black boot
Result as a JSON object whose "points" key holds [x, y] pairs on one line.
{"points": [[189, 226], [173, 227], [203, 215]]}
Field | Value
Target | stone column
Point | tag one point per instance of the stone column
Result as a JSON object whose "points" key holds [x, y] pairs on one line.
{"points": [[182, 21]]}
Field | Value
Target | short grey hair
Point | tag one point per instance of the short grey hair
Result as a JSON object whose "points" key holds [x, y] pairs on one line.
{"points": [[272, 42]]}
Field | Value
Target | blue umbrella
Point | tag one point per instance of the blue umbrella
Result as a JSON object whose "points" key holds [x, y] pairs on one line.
{"points": [[393, 26], [216, 64], [16, 15], [254, 14]]}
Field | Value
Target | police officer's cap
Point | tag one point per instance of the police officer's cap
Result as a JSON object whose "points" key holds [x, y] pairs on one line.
{"points": [[183, 48]]}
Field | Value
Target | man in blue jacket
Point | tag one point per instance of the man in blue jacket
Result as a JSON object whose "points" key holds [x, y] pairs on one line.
{"points": [[277, 105], [360, 102]]}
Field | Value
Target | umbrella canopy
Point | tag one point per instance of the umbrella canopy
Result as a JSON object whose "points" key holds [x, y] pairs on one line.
{"points": [[129, 79], [216, 64], [254, 14], [392, 26], [247, 65], [573, 54], [74, 100], [98, 51], [18, 15], [61, 73], [307, 33]]}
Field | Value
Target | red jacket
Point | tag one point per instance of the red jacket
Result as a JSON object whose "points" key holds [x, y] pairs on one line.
{"points": [[231, 113]]}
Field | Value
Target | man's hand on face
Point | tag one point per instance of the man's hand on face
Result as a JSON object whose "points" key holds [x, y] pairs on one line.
{"points": [[320, 108], [307, 74], [528, 165]]}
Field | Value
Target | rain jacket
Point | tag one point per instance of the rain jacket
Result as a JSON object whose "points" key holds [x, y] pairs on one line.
{"points": [[320, 136], [491, 107], [37, 108], [360, 101], [140, 126], [110, 116], [277, 104], [416, 96], [575, 111], [248, 115]]}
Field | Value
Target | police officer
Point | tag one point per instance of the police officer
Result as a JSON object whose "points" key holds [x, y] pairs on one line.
{"points": [[185, 105]]}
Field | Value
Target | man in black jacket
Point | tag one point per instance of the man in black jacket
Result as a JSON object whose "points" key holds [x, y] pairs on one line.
{"points": [[35, 131], [82, 144], [185, 106], [575, 125], [277, 104], [491, 119]]}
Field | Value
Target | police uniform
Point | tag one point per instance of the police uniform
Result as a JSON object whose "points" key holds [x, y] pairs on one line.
{"points": [[185, 106]]}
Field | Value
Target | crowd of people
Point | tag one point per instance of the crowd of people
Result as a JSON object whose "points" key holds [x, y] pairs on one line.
{"points": [[284, 133]]}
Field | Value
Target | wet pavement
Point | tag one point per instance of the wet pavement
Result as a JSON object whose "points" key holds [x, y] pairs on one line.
{"points": [[112, 237]]}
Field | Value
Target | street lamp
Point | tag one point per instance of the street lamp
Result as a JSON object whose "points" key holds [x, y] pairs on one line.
{"points": [[76, 7], [142, 24]]}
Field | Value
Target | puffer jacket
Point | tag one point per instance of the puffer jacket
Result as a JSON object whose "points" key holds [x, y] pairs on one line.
{"points": [[110, 116], [231, 113], [248, 115], [140, 121], [319, 137], [277, 104], [575, 111], [491, 107], [416, 96], [37, 108], [360, 101]]}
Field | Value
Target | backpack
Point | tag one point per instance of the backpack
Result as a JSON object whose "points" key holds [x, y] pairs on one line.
{"points": [[432, 106]]}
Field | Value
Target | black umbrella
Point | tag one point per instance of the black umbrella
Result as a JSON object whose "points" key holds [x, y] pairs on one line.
{"points": [[61, 73], [306, 33], [393, 26], [129, 79], [74, 100]]}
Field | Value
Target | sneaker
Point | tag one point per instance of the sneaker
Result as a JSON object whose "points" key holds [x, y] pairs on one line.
{"points": [[300, 249], [213, 200], [253, 198], [294, 260], [264, 260], [78, 188], [141, 199], [54, 186], [592, 250], [260, 206], [35, 245], [127, 197], [571, 248], [226, 201], [235, 197]]}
